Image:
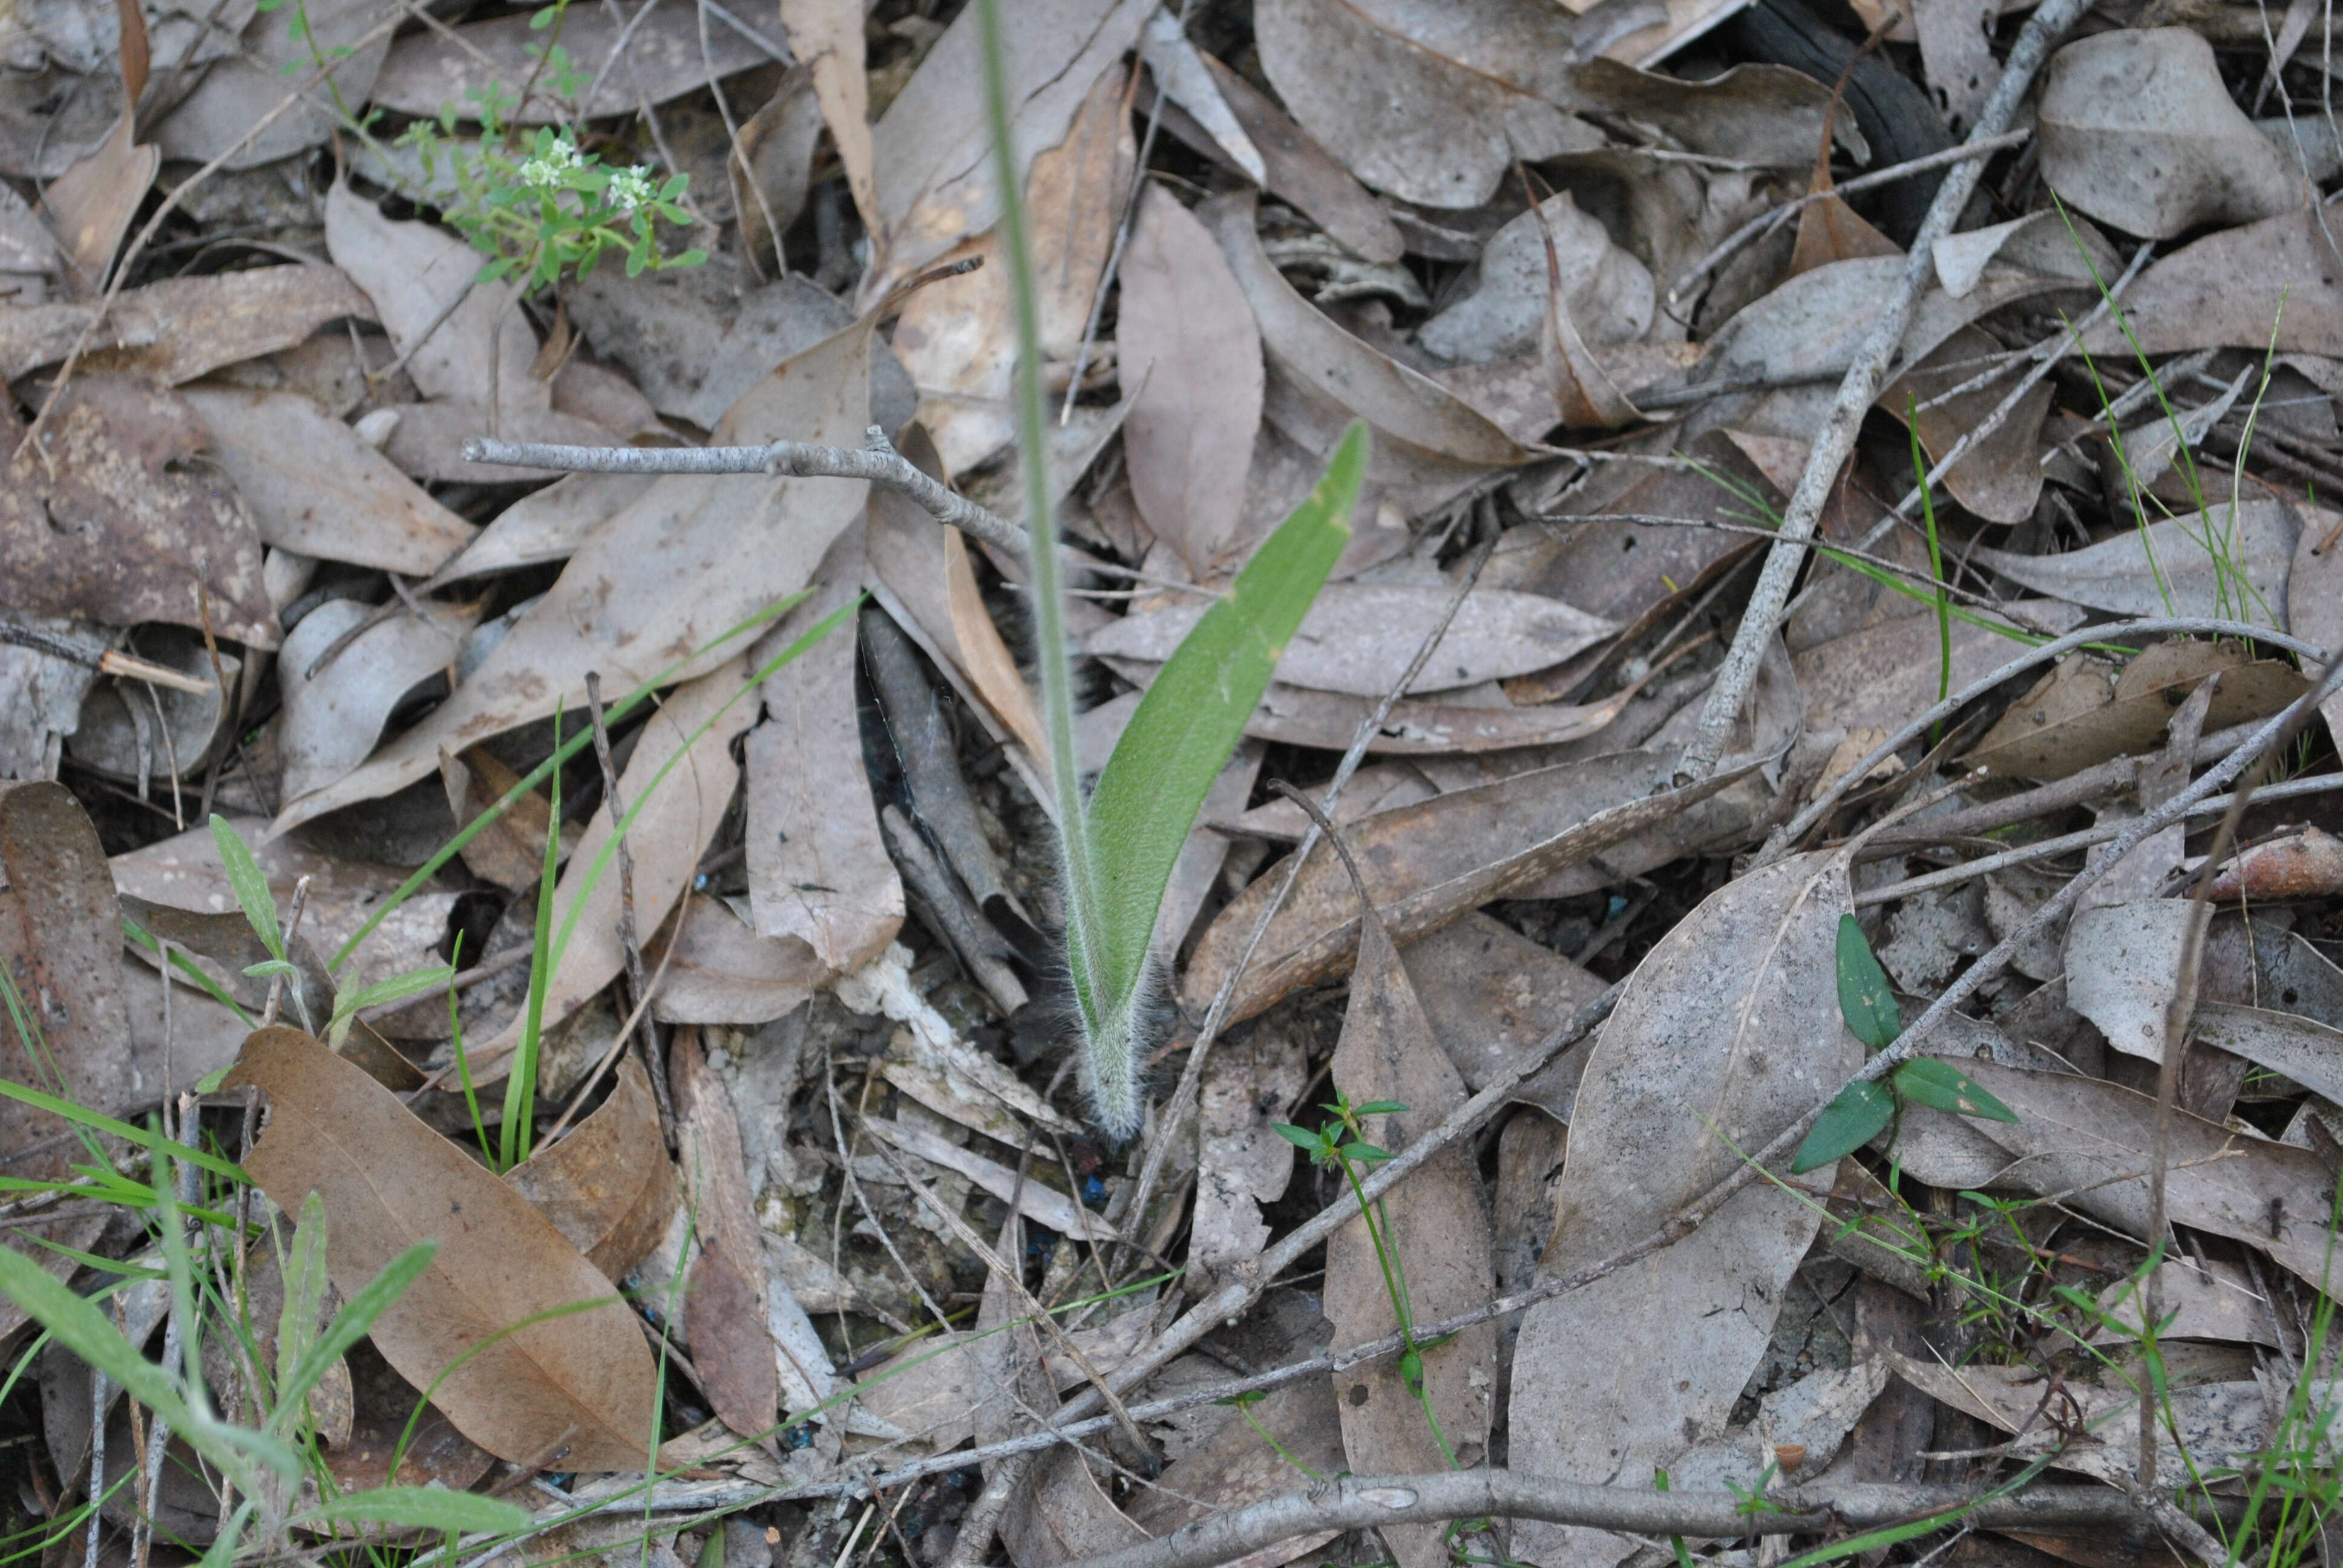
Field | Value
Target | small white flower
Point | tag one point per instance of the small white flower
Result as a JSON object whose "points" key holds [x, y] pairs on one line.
{"points": [[630, 187], [547, 169]]}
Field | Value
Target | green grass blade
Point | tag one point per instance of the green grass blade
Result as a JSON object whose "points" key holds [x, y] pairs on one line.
{"points": [[1174, 747], [352, 1322], [425, 1508], [520, 1086], [95, 1122]]}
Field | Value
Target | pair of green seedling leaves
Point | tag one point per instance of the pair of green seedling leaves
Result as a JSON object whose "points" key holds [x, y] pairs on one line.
{"points": [[1864, 1109]]}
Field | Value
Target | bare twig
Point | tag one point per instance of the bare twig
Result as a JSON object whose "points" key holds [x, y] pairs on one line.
{"points": [[103, 659], [1864, 378], [1370, 1501], [277, 981], [877, 461]]}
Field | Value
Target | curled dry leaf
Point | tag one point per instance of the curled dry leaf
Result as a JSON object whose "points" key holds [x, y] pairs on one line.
{"points": [[1427, 864], [1358, 639], [608, 1186], [332, 720], [315, 487], [2138, 130], [113, 520], [389, 1182], [1608, 293], [1437, 1237], [1186, 340], [690, 559], [667, 54], [2305, 865], [1728, 1032]]}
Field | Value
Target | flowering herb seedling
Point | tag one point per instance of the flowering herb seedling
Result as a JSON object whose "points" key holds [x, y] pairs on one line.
{"points": [[1864, 1109]]}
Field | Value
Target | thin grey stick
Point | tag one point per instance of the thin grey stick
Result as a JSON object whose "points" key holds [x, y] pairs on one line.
{"points": [[1773, 217], [2182, 626], [877, 461], [1370, 1501], [1864, 378], [277, 981], [2066, 843]]}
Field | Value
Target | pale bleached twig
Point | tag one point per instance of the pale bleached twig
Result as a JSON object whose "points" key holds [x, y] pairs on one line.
{"points": [[1864, 378], [876, 461]]}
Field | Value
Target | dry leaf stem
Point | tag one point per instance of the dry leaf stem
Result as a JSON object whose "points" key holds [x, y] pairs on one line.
{"points": [[1835, 441], [876, 461]]}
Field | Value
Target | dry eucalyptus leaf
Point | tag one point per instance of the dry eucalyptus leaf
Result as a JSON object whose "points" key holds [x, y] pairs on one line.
{"points": [[664, 57], [722, 972], [1301, 172], [479, 354], [1249, 1083], [1493, 996], [1186, 340], [388, 1182], [2223, 561], [688, 559], [2124, 969], [1880, 677], [2296, 1047], [1728, 1032], [2138, 130], [2083, 712], [314, 486], [2000, 476], [726, 1309], [1436, 1231], [332, 720], [2314, 596], [1358, 639], [2268, 287], [608, 1186], [1610, 293], [113, 520]]}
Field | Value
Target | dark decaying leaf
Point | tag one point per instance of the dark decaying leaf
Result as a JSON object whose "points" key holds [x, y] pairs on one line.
{"points": [[573, 1366], [1727, 1033], [182, 327], [115, 520]]}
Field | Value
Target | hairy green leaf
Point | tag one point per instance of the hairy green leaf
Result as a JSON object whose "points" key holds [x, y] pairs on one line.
{"points": [[251, 888], [426, 1508]]}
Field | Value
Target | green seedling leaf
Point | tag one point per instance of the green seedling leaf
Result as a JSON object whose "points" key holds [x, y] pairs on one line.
{"points": [[1941, 1086], [1300, 1137], [426, 1508], [269, 966], [251, 888], [398, 988], [1173, 751], [1364, 1153], [1380, 1108], [352, 1323], [1865, 998], [1853, 1119]]}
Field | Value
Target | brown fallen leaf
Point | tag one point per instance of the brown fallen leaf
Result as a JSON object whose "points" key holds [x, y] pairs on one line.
{"points": [[608, 1186], [111, 518], [314, 486], [1427, 864], [722, 972], [690, 559], [1829, 230], [332, 720], [581, 1374], [2313, 596], [1233, 1468], [828, 36], [1186, 338], [666, 55], [2083, 712], [2139, 131], [1435, 1238], [992, 669], [1300, 171], [1727, 1033], [1064, 1515], [725, 1311], [2001, 476], [818, 871], [2304, 865], [1881, 676], [2270, 287], [510, 851], [1493, 996], [955, 336]]}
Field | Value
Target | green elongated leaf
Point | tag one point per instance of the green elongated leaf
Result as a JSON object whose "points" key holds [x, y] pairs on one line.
{"points": [[141, 1136], [251, 888], [398, 988], [304, 1293], [351, 1324], [1300, 1137], [426, 1508], [1380, 1108], [1853, 1119], [1866, 1000], [1941, 1086], [1175, 747]]}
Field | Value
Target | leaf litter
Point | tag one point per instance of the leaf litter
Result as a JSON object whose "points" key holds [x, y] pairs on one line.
{"points": [[254, 576]]}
